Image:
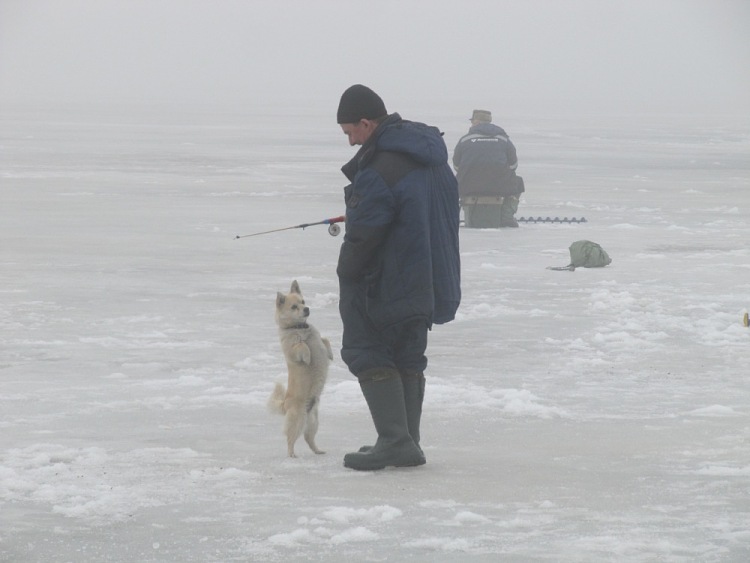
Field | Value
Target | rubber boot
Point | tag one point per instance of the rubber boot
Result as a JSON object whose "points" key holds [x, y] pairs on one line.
{"points": [[414, 384], [384, 394], [507, 210]]}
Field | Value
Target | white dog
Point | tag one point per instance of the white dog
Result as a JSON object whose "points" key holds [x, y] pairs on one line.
{"points": [[307, 357]]}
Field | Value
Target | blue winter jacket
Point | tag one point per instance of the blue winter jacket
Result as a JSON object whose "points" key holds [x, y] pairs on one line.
{"points": [[402, 212], [485, 161]]}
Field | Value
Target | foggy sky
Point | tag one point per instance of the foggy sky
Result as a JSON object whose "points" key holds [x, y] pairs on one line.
{"points": [[531, 55]]}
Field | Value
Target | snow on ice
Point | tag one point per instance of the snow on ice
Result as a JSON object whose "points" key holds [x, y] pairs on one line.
{"points": [[601, 414]]}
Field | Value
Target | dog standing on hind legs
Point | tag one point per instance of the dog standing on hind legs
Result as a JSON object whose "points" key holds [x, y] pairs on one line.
{"points": [[307, 357]]}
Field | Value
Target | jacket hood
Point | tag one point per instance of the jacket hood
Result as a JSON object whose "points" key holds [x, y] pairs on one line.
{"points": [[489, 129], [423, 143]]}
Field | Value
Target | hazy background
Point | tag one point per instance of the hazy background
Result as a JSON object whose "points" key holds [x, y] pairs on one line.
{"points": [[550, 56], [576, 417]]}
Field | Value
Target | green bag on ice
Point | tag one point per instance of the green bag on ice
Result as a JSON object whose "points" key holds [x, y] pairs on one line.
{"points": [[586, 254]]}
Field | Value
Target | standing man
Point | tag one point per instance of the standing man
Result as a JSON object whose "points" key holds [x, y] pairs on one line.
{"points": [[485, 161], [399, 268]]}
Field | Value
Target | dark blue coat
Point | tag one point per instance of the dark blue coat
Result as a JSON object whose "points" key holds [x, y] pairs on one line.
{"points": [[400, 257], [485, 161]]}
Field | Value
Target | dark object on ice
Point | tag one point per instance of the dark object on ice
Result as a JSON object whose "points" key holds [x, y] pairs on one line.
{"points": [[550, 220]]}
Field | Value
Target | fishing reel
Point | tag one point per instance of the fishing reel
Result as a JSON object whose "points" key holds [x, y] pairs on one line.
{"points": [[334, 229]]}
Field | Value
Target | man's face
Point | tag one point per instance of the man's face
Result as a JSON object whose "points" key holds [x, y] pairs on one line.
{"points": [[359, 132]]}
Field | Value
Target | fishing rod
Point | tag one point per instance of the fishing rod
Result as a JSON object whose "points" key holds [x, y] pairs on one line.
{"points": [[333, 228]]}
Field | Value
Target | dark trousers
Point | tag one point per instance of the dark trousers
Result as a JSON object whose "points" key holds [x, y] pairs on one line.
{"points": [[364, 347], [490, 215]]}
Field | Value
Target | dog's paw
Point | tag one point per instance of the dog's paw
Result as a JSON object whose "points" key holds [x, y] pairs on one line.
{"points": [[306, 357], [327, 345], [302, 353]]}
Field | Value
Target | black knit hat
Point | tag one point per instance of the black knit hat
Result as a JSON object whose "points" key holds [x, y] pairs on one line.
{"points": [[359, 102]]}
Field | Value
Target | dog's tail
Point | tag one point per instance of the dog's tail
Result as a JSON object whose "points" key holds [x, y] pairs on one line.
{"points": [[276, 400]]}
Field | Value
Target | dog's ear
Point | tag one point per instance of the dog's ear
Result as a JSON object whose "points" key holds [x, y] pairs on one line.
{"points": [[295, 288], [280, 298]]}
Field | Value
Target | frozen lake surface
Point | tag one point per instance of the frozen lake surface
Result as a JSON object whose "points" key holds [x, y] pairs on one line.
{"points": [[601, 414]]}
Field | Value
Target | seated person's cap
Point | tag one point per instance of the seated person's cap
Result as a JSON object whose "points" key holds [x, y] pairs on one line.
{"points": [[482, 115]]}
